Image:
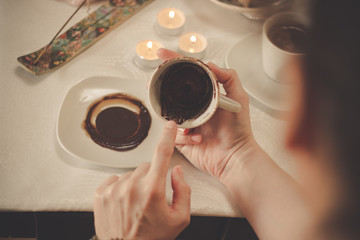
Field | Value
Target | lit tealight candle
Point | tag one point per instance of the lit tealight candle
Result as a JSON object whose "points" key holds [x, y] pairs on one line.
{"points": [[146, 53], [170, 21], [193, 45]]}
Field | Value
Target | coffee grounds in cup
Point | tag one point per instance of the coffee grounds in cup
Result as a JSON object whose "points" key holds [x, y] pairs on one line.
{"points": [[186, 92]]}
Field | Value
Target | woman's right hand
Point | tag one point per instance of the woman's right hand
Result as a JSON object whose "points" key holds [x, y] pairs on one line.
{"points": [[214, 146]]}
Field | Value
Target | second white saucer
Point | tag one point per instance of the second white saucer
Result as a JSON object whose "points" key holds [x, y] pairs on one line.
{"points": [[245, 58]]}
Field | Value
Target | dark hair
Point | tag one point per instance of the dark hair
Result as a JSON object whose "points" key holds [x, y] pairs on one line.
{"points": [[332, 84]]}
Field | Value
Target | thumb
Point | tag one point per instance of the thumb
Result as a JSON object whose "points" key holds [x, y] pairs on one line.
{"points": [[182, 192], [230, 81]]}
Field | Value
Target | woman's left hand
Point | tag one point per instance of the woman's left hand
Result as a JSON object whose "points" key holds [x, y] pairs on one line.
{"points": [[134, 205]]}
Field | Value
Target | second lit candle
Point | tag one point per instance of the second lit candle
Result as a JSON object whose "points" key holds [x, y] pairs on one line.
{"points": [[170, 21], [193, 45]]}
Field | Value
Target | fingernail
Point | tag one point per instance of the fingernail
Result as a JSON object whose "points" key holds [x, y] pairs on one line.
{"points": [[170, 124], [115, 177], [183, 130], [196, 138], [159, 50]]}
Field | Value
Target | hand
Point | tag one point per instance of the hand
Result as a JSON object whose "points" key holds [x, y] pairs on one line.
{"points": [[134, 206], [211, 146]]}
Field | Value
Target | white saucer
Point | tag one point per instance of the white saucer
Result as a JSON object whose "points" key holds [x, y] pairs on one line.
{"points": [[259, 13], [245, 58], [80, 147]]}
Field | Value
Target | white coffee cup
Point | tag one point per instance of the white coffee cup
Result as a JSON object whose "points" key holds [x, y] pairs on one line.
{"points": [[217, 99], [274, 58]]}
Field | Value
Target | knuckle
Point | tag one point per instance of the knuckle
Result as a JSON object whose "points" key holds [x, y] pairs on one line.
{"points": [[122, 195], [103, 195], [98, 197], [110, 194], [163, 150], [142, 167], [187, 189], [98, 192], [153, 193], [140, 214], [232, 72], [185, 221], [245, 96], [129, 188], [145, 164]]}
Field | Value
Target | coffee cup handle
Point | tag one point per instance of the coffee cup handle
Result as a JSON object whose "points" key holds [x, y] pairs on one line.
{"points": [[228, 104]]}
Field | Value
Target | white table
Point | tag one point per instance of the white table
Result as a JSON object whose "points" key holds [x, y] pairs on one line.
{"points": [[34, 175]]}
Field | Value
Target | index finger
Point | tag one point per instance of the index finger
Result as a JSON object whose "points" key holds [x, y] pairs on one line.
{"points": [[163, 152]]}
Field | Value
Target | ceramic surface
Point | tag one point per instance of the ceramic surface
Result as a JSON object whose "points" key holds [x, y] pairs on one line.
{"points": [[246, 58], [75, 141], [253, 13], [81, 36]]}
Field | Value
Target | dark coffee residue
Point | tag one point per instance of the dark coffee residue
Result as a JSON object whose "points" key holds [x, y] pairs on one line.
{"points": [[121, 126], [186, 92], [290, 38]]}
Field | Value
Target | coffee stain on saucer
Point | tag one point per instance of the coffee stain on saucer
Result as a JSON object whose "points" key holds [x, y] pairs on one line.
{"points": [[117, 121]]}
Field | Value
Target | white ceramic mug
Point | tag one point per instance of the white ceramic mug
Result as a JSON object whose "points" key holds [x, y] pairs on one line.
{"points": [[275, 60], [218, 99]]}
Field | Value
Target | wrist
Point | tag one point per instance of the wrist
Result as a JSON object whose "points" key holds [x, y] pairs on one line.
{"points": [[239, 160]]}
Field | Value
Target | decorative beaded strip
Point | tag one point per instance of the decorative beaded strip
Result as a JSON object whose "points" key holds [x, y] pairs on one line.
{"points": [[82, 35]]}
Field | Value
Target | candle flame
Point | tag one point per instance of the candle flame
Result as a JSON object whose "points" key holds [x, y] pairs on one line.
{"points": [[171, 14], [149, 44], [193, 39]]}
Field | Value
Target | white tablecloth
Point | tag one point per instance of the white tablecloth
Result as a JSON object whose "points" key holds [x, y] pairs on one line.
{"points": [[34, 175]]}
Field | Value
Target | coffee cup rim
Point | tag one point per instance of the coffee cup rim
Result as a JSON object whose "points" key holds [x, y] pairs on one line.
{"points": [[265, 28], [215, 96]]}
